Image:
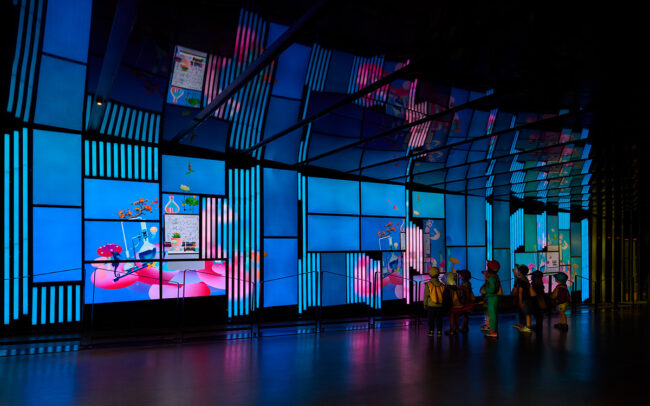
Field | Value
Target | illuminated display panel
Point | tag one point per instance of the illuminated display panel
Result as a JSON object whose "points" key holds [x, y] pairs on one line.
{"points": [[56, 168], [332, 196], [334, 279], [193, 175], [392, 270], [455, 219], [280, 271], [475, 220], [332, 233], [379, 199], [381, 233], [60, 96], [57, 244], [434, 234], [280, 203], [120, 200], [428, 205]]}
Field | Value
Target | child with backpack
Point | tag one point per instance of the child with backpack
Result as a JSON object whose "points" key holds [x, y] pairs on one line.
{"points": [[433, 292], [466, 298], [561, 298], [492, 289], [523, 297], [451, 301], [540, 305]]}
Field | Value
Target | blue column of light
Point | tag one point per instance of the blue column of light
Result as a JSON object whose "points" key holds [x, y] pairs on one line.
{"points": [[136, 162], [152, 126], [93, 158], [28, 45], [309, 278], [229, 242], [117, 112], [127, 122], [14, 67], [43, 305], [143, 162], [101, 158], [116, 160], [123, 160], [34, 306], [247, 241], [107, 113], [318, 279], [69, 304], [138, 120], [109, 159], [16, 228], [77, 303], [149, 161], [89, 102], [258, 245], [584, 246], [305, 240], [129, 161], [52, 306], [242, 248], [488, 219], [25, 186], [60, 318], [146, 134], [157, 129], [7, 255]]}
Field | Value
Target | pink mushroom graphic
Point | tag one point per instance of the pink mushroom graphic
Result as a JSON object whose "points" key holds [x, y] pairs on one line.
{"points": [[112, 251]]}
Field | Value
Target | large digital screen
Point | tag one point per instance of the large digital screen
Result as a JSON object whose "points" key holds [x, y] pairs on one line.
{"points": [[434, 236], [57, 244], [193, 175], [381, 233], [121, 240], [280, 203], [332, 196], [429, 205], [56, 168], [332, 233], [380, 199], [392, 271], [120, 200], [280, 271], [334, 279], [455, 219]]}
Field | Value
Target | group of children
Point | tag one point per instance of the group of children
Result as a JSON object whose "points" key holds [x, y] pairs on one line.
{"points": [[457, 299]]}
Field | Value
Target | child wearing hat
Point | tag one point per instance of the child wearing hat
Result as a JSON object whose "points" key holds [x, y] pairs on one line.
{"points": [[466, 297], [539, 304], [452, 302], [492, 288], [433, 292], [561, 297], [523, 296]]}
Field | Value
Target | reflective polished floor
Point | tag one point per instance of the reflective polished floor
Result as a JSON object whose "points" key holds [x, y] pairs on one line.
{"points": [[602, 359]]}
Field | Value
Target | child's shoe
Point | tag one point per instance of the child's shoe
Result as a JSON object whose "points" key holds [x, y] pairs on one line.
{"points": [[430, 333], [525, 329], [439, 333], [491, 333], [518, 326], [450, 332], [485, 327]]}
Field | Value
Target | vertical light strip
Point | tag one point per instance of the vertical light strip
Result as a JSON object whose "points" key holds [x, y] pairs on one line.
{"points": [[23, 69], [123, 159], [258, 245], [116, 160], [43, 305], [25, 186], [77, 301], [137, 125], [60, 318], [52, 303], [157, 129], [129, 161], [109, 159], [101, 158], [143, 162], [14, 68], [247, 241], [34, 306], [32, 67], [155, 163], [136, 162], [6, 195], [93, 157], [69, 303], [16, 224]]}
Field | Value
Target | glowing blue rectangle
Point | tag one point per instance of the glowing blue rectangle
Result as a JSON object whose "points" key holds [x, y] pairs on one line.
{"points": [[475, 220], [69, 307], [52, 307], [280, 205], [381, 233], [332, 196], [67, 28], [280, 271], [57, 258], [60, 94], [381, 199], [60, 318], [104, 199], [77, 300], [34, 306], [429, 205], [476, 262], [43, 305], [335, 283], [333, 233], [455, 219], [193, 175]]}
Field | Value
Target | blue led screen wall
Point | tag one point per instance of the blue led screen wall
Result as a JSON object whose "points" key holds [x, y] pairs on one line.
{"points": [[392, 272], [334, 279], [476, 263], [501, 224], [456, 258], [105, 199], [381, 233], [553, 229], [381, 199], [332, 233], [332, 196], [429, 205], [475, 220], [60, 96], [565, 250], [503, 257], [290, 71], [280, 271], [455, 219], [121, 240], [435, 230], [188, 279], [193, 175], [67, 29], [56, 244], [282, 114], [280, 203], [576, 239], [530, 232], [100, 286], [56, 168]]}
